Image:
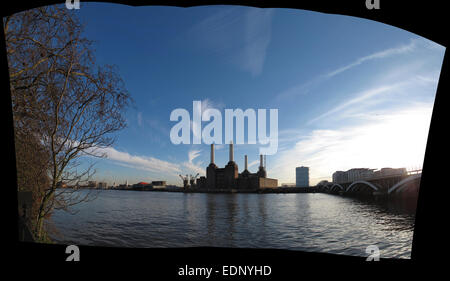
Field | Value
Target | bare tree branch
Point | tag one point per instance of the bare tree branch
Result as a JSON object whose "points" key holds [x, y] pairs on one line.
{"points": [[64, 106]]}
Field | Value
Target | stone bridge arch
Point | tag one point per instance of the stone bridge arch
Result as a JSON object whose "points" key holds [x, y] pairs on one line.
{"points": [[325, 187], [352, 186], [403, 183], [336, 187]]}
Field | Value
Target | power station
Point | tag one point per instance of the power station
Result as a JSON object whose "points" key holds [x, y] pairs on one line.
{"points": [[228, 178]]}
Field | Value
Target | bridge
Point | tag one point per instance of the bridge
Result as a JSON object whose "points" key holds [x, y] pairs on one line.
{"points": [[390, 185]]}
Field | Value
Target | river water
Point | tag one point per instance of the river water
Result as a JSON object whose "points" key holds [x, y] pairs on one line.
{"points": [[300, 221]]}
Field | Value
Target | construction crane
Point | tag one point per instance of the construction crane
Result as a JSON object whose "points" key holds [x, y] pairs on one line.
{"points": [[192, 181], [185, 181]]}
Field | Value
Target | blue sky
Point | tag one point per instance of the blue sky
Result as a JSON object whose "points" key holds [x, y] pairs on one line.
{"points": [[350, 92]]}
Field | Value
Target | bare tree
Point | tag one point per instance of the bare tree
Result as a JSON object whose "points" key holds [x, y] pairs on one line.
{"points": [[62, 100]]}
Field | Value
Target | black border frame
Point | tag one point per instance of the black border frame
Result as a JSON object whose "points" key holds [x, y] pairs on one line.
{"points": [[424, 19]]}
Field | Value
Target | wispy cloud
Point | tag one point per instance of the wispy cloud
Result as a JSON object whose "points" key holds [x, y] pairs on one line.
{"points": [[192, 154], [239, 35], [357, 99], [193, 168], [394, 139], [253, 163], [208, 103], [398, 87], [146, 163], [190, 165], [433, 78], [257, 39], [384, 125], [158, 126], [151, 123], [306, 87], [151, 164], [377, 55]]}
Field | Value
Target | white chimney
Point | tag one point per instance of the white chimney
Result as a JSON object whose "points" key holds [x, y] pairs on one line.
{"points": [[212, 153]]}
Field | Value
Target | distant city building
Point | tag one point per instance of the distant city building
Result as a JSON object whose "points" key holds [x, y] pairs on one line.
{"points": [[324, 182], [102, 185], [383, 172], [356, 174], [61, 184], [359, 174], [340, 177], [141, 184], [92, 184], [172, 187], [230, 178], [146, 186], [124, 186], [302, 176], [158, 183], [352, 175]]}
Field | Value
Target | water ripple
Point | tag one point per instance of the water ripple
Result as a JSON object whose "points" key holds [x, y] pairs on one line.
{"points": [[307, 222]]}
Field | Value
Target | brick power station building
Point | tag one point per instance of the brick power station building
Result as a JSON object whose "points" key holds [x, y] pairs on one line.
{"points": [[228, 178]]}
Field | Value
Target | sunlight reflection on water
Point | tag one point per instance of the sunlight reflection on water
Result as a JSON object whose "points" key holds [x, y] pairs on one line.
{"points": [[301, 221]]}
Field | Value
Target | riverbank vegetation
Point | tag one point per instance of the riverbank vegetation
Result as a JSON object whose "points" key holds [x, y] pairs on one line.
{"points": [[64, 107]]}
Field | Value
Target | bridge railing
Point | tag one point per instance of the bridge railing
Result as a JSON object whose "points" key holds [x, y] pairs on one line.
{"points": [[408, 173]]}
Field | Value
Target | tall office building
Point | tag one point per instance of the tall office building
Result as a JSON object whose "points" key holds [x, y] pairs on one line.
{"points": [[302, 176]]}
